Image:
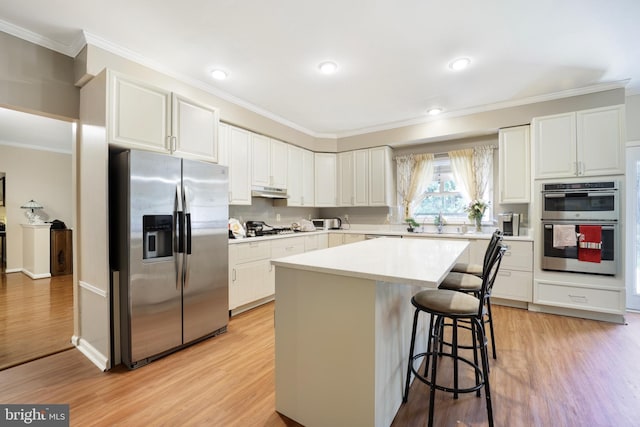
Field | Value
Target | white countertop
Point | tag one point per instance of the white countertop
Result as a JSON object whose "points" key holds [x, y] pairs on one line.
{"points": [[377, 231], [422, 262]]}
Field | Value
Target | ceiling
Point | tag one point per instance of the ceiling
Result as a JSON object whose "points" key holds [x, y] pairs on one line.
{"points": [[392, 56]]}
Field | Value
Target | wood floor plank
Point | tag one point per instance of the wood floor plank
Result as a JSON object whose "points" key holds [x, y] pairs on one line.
{"points": [[36, 317], [550, 371]]}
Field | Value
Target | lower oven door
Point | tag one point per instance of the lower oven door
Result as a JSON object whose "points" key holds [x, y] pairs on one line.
{"points": [[566, 258]]}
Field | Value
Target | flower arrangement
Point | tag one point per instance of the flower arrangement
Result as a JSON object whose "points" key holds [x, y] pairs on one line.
{"points": [[475, 211]]}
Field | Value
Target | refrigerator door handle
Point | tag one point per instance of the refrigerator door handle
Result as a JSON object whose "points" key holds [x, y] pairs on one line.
{"points": [[179, 236], [187, 229]]}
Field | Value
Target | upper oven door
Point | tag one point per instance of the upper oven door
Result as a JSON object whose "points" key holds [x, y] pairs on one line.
{"points": [[580, 205]]}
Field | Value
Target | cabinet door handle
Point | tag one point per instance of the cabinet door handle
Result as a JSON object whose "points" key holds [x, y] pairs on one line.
{"points": [[504, 273], [233, 275]]}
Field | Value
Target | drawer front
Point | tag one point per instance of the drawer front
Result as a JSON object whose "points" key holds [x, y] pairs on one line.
{"points": [[604, 300], [514, 285], [286, 247], [519, 256], [253, 251], [311, 243]]}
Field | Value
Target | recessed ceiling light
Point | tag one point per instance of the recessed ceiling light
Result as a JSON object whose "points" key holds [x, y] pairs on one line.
{"points": [[459, 64], [434, 111], [219, 74], [328, 67]]}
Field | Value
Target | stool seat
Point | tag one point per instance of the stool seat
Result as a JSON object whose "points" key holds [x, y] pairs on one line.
{"points": [[462, 267], [462, 282], [446, 302]]}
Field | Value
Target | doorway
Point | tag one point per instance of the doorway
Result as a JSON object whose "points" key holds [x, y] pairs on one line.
{"points": [[36, 162], [633, 223]]}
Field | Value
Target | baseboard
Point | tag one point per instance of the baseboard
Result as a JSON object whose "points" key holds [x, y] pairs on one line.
{"points": [[36, 276], [583, 314], [98, 359], [13, 270], [251, 305]]}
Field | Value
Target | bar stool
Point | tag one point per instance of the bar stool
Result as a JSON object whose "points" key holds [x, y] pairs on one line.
{"points": [[444, 304], [467, 279]]}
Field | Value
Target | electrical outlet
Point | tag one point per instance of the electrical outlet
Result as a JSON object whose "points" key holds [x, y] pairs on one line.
{"points": [[346, 217], [277, 217]]}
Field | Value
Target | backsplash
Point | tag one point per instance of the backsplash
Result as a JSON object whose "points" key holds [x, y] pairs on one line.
{"points": [[267, 210]]}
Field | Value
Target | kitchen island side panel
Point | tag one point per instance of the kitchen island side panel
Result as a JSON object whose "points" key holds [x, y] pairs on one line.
{"points": [[341, 347], [325, 344]]}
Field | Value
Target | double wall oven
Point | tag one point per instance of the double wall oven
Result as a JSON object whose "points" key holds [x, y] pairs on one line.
{"points": [[581, 207]]}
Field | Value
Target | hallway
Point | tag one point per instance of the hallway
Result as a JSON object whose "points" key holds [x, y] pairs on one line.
{"points": [[36, 317]]}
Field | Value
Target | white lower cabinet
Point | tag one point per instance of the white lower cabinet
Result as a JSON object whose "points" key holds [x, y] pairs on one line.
{"points": [[251, 275], [337, 239], [515, 277], [249, 267], [603, 300]]}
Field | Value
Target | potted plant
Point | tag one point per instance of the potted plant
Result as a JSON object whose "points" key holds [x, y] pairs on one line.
{"points": [[413, 224]]}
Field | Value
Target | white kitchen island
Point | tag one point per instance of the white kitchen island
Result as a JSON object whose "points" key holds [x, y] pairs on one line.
{"points": [[343, 322]]}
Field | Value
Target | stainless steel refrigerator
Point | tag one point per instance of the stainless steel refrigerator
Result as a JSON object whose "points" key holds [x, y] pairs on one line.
{"points": [[169, 219]]}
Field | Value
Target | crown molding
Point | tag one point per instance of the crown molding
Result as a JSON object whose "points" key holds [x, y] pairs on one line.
{"points": [[40, 40], [104, 44], [85, 38], [490, 107]]}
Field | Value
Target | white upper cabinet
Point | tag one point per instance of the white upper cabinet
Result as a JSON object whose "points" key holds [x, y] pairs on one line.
{"points": [[308, 178], [300, 178], [346, 178], [325, 179], [601, 141], [139, 114], [365, 177], [269, 164], [294, 186], [278, 164], [583, 143], [150, 118], [261, 160], [238, 148], [514, 164], [381, 179], [195, 129], [361, 178]]}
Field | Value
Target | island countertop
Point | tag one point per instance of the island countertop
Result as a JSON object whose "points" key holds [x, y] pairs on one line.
{"points": [[422, 262]]}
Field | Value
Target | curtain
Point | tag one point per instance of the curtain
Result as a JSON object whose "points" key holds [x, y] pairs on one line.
{"points": [[414, 172], [473, 169], [462, 168]]}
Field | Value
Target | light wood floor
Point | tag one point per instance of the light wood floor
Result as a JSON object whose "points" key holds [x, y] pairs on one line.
{"points": [[551, 371], [36, 317]]}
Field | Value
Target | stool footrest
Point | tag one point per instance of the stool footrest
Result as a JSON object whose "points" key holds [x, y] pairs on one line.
{"points": [[478, 371]]}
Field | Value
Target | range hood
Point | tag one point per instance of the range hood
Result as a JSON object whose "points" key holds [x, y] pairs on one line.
{"points": [[269, 192]]}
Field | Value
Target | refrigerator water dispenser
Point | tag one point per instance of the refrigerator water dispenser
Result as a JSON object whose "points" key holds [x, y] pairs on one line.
{"points": [[157, 230]]}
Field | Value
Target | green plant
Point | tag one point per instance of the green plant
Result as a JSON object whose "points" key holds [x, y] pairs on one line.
{"points": [[412, 222]]}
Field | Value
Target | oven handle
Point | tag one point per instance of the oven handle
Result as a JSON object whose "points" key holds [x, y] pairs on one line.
{"points": [[604, 227], [578, 193]]}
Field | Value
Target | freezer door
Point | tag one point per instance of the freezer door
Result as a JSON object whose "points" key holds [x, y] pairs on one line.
{"points": [[154, 291], [205, 293]]}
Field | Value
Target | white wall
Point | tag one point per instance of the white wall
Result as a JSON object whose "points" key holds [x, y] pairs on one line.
{"points": [[33, 174], [633, 118]]}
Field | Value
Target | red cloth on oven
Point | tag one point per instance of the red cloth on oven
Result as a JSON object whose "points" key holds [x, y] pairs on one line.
{"points": [[590, 234]]}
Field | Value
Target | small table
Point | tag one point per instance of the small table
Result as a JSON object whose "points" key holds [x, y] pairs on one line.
{"points": [[343, 322]]}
